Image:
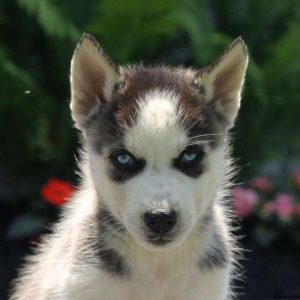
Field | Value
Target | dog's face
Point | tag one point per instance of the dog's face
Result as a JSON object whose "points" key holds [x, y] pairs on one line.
{"points": [[155, 137]]}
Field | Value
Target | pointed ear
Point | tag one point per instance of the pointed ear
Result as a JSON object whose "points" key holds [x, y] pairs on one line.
{"points": [[223, 80], [93, 77]]}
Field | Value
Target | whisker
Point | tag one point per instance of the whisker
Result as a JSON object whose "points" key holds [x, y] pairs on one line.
{"points": [[117, 233], [200, 142], [204, 135]]}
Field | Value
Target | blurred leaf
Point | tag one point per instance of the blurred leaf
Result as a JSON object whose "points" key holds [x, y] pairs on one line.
{"points": [[283, 62], [131, 29], [194, 19], [256, 82], [27, 107], [50, 18]]}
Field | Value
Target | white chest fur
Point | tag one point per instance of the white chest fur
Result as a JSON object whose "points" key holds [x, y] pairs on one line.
{"points": [[194, 285]]}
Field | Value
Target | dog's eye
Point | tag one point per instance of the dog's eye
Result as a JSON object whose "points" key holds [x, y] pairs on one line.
{"points": [[190, 157], [189, 161], [124, 165], [123, 159]]}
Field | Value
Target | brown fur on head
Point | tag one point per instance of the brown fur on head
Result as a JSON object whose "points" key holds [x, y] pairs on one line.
{"points": [[94, 76]]}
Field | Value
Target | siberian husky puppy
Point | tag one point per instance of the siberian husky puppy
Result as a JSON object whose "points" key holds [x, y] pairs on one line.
{"points": [[149, 220]]}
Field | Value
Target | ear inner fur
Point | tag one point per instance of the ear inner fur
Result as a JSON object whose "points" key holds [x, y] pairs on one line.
{"points": [[93, 76], [223, 80]]}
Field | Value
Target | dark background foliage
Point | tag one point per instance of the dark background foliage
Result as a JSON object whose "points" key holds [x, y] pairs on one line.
{"points": [[36, 45]]}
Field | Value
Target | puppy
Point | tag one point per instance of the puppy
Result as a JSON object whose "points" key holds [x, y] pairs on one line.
{"points": [[149, 220]]}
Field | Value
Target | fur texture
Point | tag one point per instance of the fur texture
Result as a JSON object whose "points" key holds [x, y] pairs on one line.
{"points": [[155, 144]]}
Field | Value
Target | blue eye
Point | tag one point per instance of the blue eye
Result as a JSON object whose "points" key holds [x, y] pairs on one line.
{"points": [[122, 159], [188, 157], [125, 159], [189, 161]]}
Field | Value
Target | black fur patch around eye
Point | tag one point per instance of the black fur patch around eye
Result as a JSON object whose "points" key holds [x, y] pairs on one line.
{"points": [[194, 169], [122, 175]]}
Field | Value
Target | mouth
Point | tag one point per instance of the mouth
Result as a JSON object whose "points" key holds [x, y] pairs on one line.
{"points": [[159, 240]]}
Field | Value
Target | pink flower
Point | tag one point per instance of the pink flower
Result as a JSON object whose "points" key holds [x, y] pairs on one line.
{"points": [[296, 175], [244, 201], [262, 183], [282, 206]]}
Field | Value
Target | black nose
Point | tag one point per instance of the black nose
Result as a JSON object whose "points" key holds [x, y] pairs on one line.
{"points": [[160, 221]]}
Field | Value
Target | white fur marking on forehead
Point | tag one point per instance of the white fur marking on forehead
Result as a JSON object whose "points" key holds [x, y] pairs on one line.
{"points": [[158, 109], [157, 130]]}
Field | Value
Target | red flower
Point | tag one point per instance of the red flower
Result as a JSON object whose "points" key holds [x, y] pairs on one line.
{"points": [[57, 192]]}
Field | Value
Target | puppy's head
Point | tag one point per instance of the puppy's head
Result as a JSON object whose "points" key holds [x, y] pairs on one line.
{"points": [[155, 137]]}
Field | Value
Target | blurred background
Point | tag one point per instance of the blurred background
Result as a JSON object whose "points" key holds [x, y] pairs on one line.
{"points": [[38, 143]]}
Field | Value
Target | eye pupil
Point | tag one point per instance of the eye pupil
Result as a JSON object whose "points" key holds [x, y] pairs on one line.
{"points": [[189, 156], [124, 159]]}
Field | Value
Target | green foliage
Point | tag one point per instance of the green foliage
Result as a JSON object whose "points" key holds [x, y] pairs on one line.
{"points": [[23, 108], [35, 123], [189, 32], [194, 19], [134, 30], [131, 29], [50, 19], [271, 105], [26, 118]]}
